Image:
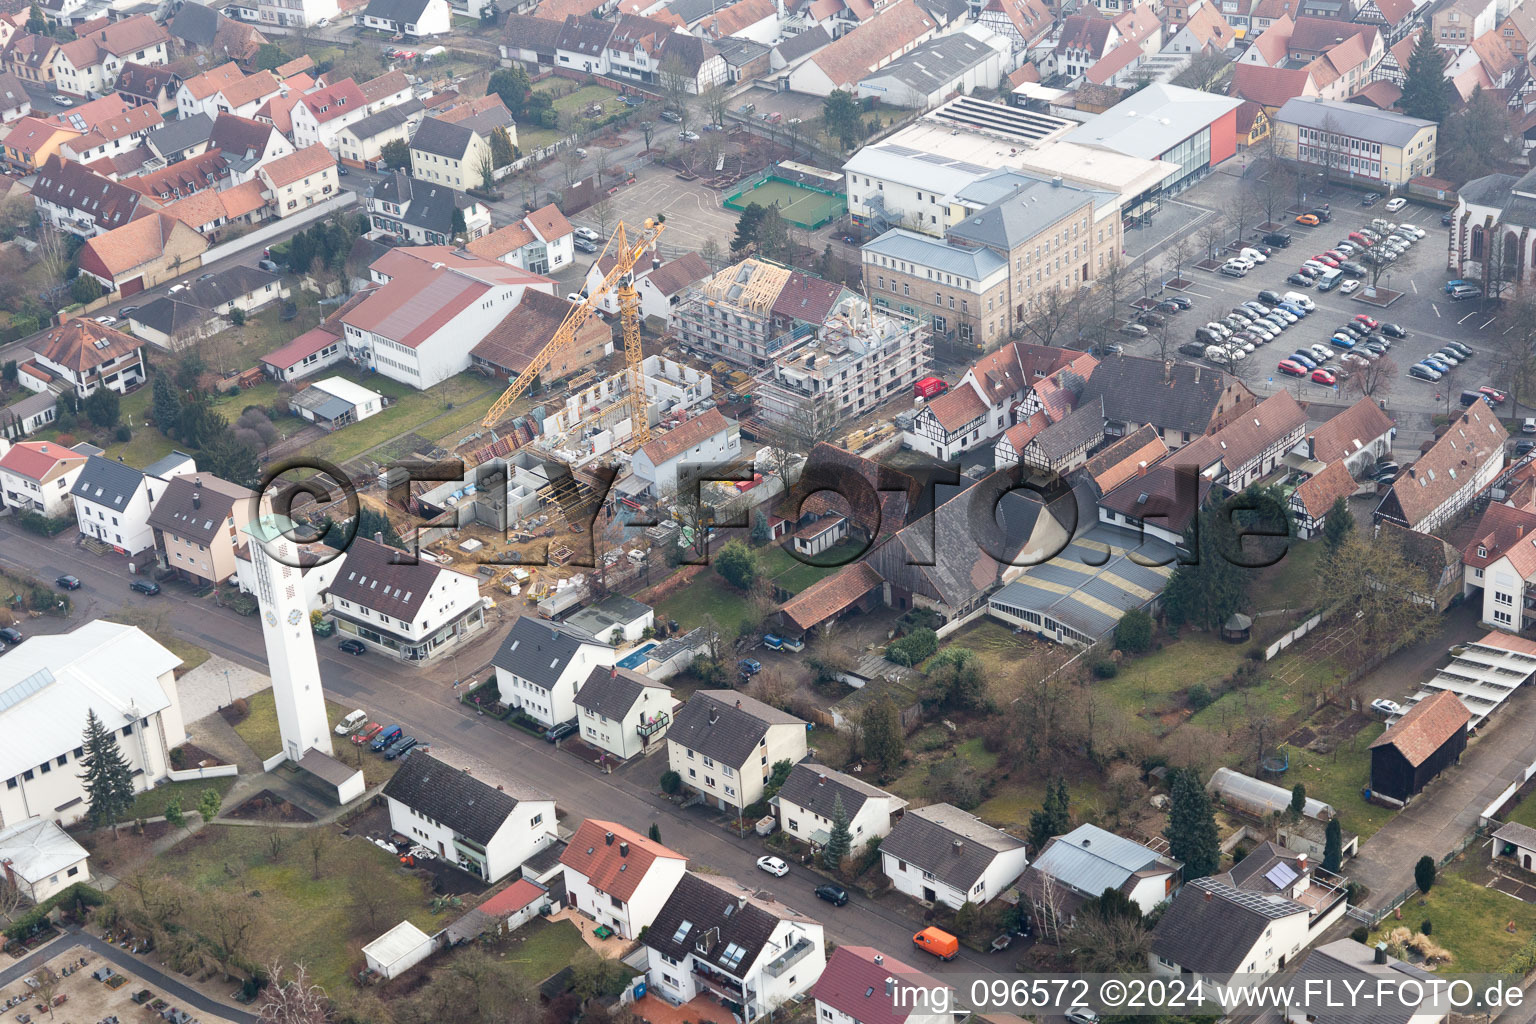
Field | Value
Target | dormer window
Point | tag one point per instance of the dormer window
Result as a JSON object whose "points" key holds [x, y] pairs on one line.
{"points": [[1482, 552]]}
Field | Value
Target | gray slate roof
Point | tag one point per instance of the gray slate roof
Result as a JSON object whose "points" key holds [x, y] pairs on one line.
{"points": [[405, 12], [107, 482], [376, 576], [936, 63], [1352, 963], [442, 138], [1352, 119], [927, 836], [169, 316], [181, 134], [817, 787], [196, 24], [539, 651], [1035, 205], [1134, 392], [229, 284], [725, 725], [612, 692], [1214, 936], [426, 205], [1089, 860], [162, 467], [974, 264], [453, 797], [718, 915], [804, 44], [1083, 426], [389, 117]]}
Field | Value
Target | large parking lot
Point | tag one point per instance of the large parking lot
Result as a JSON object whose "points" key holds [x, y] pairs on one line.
{"points": [[1423, 309]]}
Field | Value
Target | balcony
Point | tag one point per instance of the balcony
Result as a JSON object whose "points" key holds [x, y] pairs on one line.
{"points": [[722, 984], [791, 956], [656, 725]]}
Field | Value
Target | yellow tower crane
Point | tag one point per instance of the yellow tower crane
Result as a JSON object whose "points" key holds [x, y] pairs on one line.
{"points": [[626, 251]]}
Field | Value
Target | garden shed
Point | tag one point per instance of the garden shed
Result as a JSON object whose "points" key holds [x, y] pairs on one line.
{"points": [[1257, 797], [1420, 745], [398, 950], [1237, 629]]}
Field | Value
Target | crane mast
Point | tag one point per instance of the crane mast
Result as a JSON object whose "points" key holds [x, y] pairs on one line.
{"points": [[627, 251]]}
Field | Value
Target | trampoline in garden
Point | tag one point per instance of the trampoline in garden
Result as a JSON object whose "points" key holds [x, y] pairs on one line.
{"points": [[801, 205]]}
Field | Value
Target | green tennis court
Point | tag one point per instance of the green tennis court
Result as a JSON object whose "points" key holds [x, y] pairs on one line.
{"points": [[805, 207]]}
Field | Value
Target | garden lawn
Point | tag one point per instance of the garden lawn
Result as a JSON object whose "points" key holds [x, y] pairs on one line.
{"points": [[443, 409], [708, 594], [1155, 683], [540, 948], [1292, 581], [191, 655], [1338, 778], [259, 729], [315, 917], [1468, 920], [151, 803], [1524, 812]]}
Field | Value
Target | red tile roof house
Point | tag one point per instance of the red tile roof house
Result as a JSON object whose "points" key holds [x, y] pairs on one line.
{"points": [[618, 877], [84, 355], [659, 286], [318, 116], [710, 439], [88, 65], [1500, 560], [434, 306], [142, 253], [855, 988], [1445, 479], [37, 476], [994, 395], [112, 125], [300, 180]]}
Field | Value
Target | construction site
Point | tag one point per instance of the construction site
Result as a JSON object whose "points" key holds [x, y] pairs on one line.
{"points": [[551, 508]]}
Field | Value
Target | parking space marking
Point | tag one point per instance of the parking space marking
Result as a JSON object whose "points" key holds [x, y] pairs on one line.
{"points": [[1467, 317], [1436, 308], [1414, 285], [1488, 321]]}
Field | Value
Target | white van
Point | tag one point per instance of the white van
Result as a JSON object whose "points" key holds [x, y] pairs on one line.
{"points": [[1329, 279], [1301, 300]]}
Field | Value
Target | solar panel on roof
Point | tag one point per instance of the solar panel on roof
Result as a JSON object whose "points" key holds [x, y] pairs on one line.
{"points": [[1281, 875]]}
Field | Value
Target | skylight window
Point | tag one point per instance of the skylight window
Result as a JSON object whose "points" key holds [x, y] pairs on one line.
{"points": [[682, 931], [732, 956]]}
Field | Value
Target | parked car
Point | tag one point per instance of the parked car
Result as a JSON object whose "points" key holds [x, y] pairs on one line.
{"points": [[1233, 270], [1349, 287], [750, 666], [1451, 286], [107, 321], [11, 636], [399, 747], [1321, 375], [1253, 255], [671, 116], [1150, 319], [774, 866], [1311, 220], [1292, 368], [1419, 371], [687, 136], [1306, 359], [1271, 297], [1393, 331], [1393, 205], [1300, 280], [352, 646], [560, 731], [367, 733], [1193, 349], [1301, 300], [1494, 395], [68, 582], [351, 723], [589, 234], [1168, 306], [833, 894], [386, 736], [1386, 707], [1082, 1015], [584, 245], [1370, 199], [938, 942], [1466, 291], [149, 588], [1524, 445], [1134, 331], [1343, 341], [1459, 348], [1529, 425], [1280, 239]]}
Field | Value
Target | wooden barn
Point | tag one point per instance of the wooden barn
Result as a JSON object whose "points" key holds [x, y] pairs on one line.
{"points": [[1423, 743]]}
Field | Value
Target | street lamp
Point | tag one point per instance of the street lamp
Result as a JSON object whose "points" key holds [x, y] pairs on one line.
{"points": [[230, 689]]}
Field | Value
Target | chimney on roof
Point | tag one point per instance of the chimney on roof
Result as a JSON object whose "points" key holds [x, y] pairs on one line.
{"points": [[890, 986], [738, 703], [821, 780], [958, 846], [714, 716], [197, 497], [1380, 956], [607, 838], [879, 959], [1141, 469], [378, 536], [1301, 861], [1207, 895], [623, 849]]}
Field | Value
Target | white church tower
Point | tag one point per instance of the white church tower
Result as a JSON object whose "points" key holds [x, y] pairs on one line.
{"points": [[285, 628]]}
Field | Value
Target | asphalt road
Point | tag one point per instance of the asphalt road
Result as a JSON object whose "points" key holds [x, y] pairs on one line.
{"points": [[426, 704]]}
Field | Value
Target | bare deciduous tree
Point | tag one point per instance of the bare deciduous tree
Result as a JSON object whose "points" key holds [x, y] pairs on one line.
{"points": [[1373, 380], [294, 999]]}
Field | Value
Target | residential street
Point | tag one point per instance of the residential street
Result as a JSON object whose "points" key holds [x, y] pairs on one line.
{"points": [[425, 701]]}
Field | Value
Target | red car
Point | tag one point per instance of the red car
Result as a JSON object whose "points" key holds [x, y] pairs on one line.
{"points": [[1495, 396], [367, 733], [1290, 366], [1322, 376], [1361, 318], [1336, 254], [1326, 260]]}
